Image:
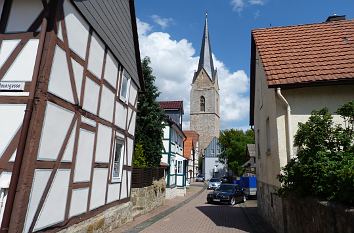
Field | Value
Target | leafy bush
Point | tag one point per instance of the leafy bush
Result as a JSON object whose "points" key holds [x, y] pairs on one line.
{"points": [[139, 160], [324, 166]]}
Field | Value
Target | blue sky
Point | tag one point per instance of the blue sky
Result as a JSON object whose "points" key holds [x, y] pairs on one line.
{"points": [[170, 33]]}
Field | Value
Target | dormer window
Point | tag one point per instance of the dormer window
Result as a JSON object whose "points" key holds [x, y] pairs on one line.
{"points": [[202, 104]]}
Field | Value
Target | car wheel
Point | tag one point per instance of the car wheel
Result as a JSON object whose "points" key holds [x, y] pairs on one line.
{"points": [[244, 199], [233, 201]]}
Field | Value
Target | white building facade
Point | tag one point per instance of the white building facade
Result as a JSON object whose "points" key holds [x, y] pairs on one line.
{"points": [[281, 97]]}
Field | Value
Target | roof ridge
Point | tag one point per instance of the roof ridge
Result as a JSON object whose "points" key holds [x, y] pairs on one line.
{"points": [[303, 25]]}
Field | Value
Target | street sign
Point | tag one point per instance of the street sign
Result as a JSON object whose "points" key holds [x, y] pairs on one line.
{"points": [[12, 86]]}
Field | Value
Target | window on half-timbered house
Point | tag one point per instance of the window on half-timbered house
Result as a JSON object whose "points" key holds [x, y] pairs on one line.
{"points": [[117, 162], [124, 89], [179, 167]]}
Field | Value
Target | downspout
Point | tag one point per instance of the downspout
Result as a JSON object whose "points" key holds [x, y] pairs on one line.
{"points": [[287, 125]]}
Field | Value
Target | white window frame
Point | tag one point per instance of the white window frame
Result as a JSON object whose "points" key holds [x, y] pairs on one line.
{"points": [[125, 97], [118, 178]]}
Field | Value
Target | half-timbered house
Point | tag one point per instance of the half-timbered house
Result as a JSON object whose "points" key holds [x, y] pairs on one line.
{"points": [[69, 77], [173, 141]]}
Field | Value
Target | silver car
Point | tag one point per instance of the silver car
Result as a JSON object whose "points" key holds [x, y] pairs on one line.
{"points": [[214, 183]]}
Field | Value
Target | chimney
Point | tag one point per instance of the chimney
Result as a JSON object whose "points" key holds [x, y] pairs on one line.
{"points": [[335, 17]]}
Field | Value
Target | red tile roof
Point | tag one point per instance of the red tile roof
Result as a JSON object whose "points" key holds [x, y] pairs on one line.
{"points": [[191, 140], [171, 104], [307, 53]]}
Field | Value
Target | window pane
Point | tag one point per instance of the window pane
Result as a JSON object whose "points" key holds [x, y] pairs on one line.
{"points": [[124, 88], [116, 162]]}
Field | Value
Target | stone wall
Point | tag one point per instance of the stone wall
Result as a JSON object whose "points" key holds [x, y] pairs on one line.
{"points": [[294, 215], [148, 198], [270, 206], [106, 221], [312, 216]]}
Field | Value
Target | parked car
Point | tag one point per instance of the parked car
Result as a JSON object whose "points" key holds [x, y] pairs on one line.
{"points": [[214, 183], [227, 193], [200, 178]]}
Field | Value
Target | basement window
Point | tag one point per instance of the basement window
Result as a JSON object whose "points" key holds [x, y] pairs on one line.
{"points": [[117, 165]]}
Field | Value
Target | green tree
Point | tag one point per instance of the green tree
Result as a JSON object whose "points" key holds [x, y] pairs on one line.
{"points": [[139, 156], [233, 148], [324, 166], [149, 121]]}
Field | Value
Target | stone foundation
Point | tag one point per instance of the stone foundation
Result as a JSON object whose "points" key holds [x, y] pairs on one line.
{"points": [[106, 221], [148, 198]]}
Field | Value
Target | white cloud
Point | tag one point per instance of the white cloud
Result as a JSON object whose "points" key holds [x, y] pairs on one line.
{"points": [[256, 2], [163, 22], [237, 5], [143, 28], [174, 63]]}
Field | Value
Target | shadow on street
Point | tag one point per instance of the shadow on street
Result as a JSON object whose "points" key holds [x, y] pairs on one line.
{"points": [[226, 216]]}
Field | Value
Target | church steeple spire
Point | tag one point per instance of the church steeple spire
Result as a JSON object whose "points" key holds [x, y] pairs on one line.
{"points": [[206, 59]]}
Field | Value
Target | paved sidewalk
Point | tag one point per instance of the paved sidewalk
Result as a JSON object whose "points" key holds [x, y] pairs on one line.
{"points": [[142, 221]]}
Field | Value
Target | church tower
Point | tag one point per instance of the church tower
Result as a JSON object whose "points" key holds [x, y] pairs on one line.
{"points": [[204, 97]]}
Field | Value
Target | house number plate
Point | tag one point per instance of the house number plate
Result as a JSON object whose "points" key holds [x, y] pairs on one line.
{"points": [[12, 86]]}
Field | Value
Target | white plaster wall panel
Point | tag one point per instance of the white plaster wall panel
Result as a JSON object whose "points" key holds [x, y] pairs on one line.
{"points": [[23, 13], [22, 68], [130, 151], [111, 70], [179, 180], [84, 156], [133, 93], [164, 158], [40, 180], [53, 210], [92, 91], [96, 55], [88, 121], [14, 93], [56, 125], [11, 116], [166, 132], [132, 124], [103, 147], [78, 202], [98, 192], [129, 173], [59, 82], [13, 157], [113, 192], [124, 193], [166, 144], [7, 48], [5, 179], [77, 29], [121, 115], [107, 104], [78, 71], [60, 32], [130, 112], [69, 149]]}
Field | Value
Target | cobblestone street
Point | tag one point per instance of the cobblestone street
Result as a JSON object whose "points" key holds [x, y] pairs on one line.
{"points": [[198, 216]]}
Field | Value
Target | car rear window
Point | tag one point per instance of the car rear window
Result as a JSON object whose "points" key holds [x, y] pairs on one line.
{"points": [[214, 180]]}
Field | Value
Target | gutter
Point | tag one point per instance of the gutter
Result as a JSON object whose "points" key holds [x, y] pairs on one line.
{"points": [[287, 125]]}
